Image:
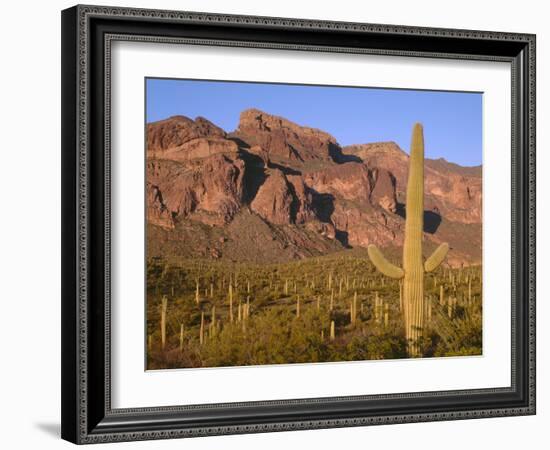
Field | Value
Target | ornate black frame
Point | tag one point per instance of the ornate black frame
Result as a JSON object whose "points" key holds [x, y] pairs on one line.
{"points": [[87, 416]]}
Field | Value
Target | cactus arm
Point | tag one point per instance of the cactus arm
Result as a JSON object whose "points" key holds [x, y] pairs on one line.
{"points": [[436, 258], [383, 265]]}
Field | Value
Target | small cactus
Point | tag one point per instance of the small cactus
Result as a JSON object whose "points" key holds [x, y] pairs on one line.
{"points": [[164, 307], [413, 269], [213, 321], [230, 303], [377, 306], [201, 331], [354, 308]]}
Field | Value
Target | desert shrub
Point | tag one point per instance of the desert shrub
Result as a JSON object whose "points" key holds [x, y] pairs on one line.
{"points": [[274, 334]]}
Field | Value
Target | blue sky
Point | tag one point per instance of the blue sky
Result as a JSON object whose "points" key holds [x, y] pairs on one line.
{"points": [[452, 120]]}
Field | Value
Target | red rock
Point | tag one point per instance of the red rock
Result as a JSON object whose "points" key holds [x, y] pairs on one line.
{"points": [[383, 193], [451, 190], [385, 155], [176, 131], [302, 206], [263, 154], [283, 139], [157, 212], [323, 228], [349, 181], [213, 186], [274, 200], [364, 226], [198, 148]]}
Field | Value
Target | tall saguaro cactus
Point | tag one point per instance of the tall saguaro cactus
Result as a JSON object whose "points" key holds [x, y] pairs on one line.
{"points": [[413, 267]]}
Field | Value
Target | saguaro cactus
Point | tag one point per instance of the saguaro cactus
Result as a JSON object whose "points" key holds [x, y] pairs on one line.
{"points": [[413, 268]]}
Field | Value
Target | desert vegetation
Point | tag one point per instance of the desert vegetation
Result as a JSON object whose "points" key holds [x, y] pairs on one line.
{"points": [[274, 244], [338, 307]]}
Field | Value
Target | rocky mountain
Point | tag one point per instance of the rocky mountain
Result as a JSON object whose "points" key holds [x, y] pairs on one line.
{"points": [[273, 190]]}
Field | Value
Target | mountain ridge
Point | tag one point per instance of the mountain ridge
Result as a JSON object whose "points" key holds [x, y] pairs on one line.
{"points": [[314, 196]]}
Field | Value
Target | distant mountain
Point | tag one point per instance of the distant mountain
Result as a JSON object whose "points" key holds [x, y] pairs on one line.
{"points": [[273, 190], [442, 165]]}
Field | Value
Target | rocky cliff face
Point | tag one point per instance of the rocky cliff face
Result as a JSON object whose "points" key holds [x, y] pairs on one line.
{"points": [[296, 188], [273, 201], [452, 191], [282, 139]]}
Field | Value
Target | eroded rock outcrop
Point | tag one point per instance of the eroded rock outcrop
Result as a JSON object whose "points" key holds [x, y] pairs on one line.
{"points": [[215, 186], [302, 208], [176, 131], [350, 181], [157, 211], [384, 191], [451, 191], [274, 199], [283, 139]]}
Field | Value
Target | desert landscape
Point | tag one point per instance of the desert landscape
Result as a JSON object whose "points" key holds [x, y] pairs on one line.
{"points": [[257, 246]]}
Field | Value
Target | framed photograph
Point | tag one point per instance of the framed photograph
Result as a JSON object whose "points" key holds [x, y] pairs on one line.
{"points": [[280, 224]]}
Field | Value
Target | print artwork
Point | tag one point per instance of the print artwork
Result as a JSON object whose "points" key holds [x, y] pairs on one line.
{"points": [[310, 224]]}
